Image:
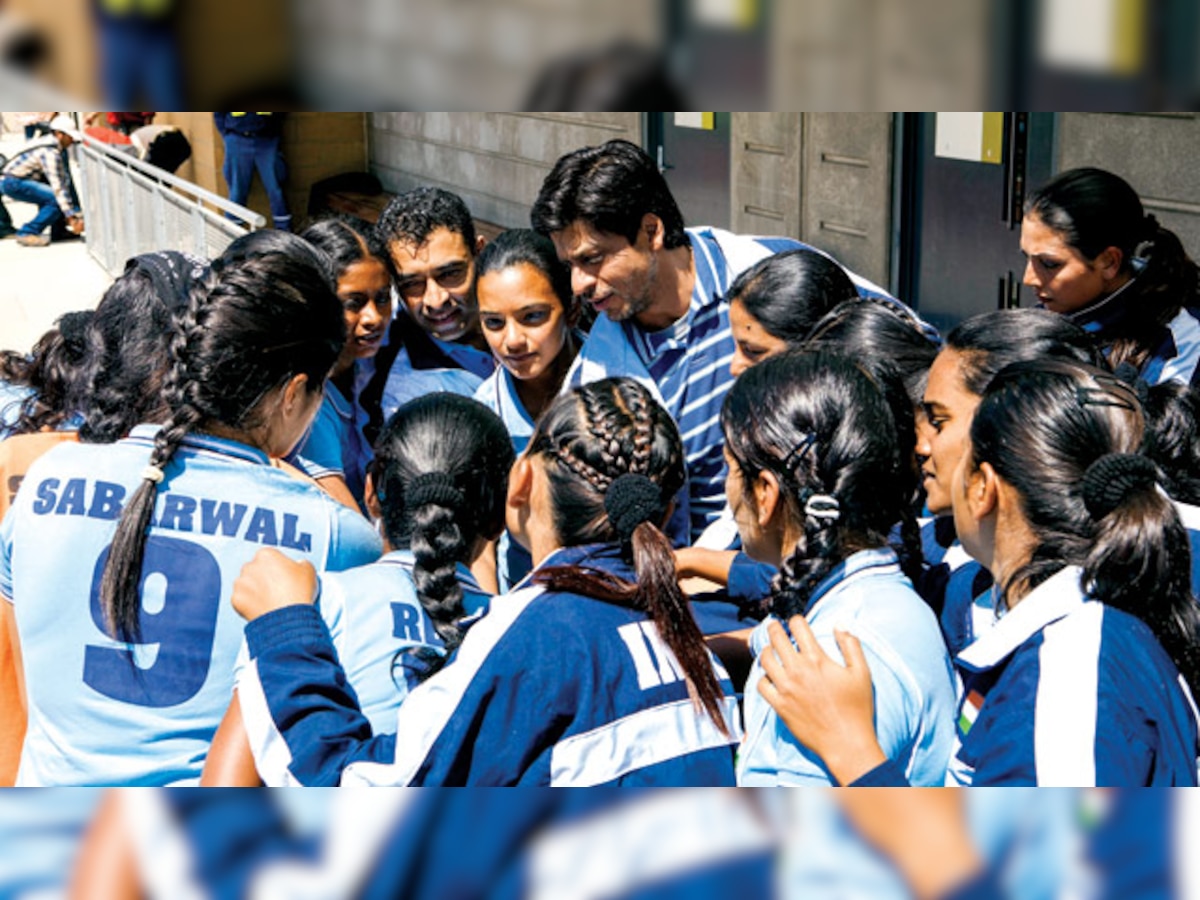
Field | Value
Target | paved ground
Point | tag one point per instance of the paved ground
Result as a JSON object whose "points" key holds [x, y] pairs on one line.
{"points": [[37, 285]]}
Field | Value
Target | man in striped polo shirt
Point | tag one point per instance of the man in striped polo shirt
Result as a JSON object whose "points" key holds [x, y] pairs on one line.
{"points": [[662, 290]]}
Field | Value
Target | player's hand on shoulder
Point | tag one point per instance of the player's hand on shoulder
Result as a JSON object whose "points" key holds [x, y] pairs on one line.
{"points": [[272, 581]]}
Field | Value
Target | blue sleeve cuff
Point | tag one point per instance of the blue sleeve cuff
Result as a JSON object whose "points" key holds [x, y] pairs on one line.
{"points": [[886, 774], [750, 579], [299, 626]]}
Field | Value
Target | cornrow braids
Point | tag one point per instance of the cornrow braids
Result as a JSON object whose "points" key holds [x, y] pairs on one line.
{"points": [[248, 328], [611, 437]]}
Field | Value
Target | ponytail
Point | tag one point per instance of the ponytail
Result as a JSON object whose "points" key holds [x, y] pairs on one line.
{"points": [[1067, 438], [120, 586], [440, 475], [1135, 559], [1169, 282], [615, 461], [438, 545]]}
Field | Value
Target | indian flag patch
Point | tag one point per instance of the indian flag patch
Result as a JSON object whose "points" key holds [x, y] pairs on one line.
{"points": [[969, 712]]}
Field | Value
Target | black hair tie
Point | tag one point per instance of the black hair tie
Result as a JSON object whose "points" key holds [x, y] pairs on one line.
{"points": [[1112, 478], [631, 500], [433, 487]]}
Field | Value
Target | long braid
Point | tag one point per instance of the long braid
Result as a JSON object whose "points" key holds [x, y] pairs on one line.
{"points": [[120, 585], [814, 555], [438, 546]]}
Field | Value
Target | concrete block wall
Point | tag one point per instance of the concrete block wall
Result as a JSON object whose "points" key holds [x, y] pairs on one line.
{"points": [[495, 161], [1154, 152]]}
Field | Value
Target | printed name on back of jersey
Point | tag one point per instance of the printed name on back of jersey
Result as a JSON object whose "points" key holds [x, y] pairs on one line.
{"points": [[174, 512], [655, 663]]}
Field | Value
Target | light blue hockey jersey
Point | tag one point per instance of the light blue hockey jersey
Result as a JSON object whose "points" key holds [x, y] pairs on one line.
{"points": [[106, 712]]}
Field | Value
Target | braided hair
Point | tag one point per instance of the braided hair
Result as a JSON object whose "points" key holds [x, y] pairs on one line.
{"points": [[614, 461], [1066, 437], [824, 428], [248, 329], [128, 344], [440, 475]]}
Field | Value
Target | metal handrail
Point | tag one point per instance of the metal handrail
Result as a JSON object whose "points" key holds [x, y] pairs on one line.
{"points": [[251, 218]]}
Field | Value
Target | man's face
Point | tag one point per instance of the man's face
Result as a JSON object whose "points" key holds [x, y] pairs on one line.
{"points": [[436, 282], [616, 277]]}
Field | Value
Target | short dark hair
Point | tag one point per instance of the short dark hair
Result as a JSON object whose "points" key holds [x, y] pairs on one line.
{"points": [[610, 187], [414, 215]]}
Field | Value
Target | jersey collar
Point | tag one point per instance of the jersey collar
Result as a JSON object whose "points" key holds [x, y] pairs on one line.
{"points": [[1053, 599], [144, 434]]}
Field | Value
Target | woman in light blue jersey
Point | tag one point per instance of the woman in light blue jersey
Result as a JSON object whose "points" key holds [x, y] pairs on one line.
{"points": [[817, 481], [436, 488], [116, 560], [528, 316]]}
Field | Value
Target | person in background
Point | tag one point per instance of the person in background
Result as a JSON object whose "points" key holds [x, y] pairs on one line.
{"points": [[252, 144], [139, 53], [40, 174], [1095, 256]]}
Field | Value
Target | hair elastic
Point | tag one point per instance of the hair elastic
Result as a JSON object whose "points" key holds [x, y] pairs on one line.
{"points": [[631, 500], [153, 473], [823, 507], [1112, 478], [433, 487]]}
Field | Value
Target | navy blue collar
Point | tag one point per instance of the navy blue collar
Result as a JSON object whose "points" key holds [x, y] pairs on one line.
{"points": [[1108, 315]]}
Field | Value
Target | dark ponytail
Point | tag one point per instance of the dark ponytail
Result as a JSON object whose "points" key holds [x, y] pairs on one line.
{"points": [[1066, 437], [615, 461], [440, 474], [824, 428], [1173, 436], [245, 332]]}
